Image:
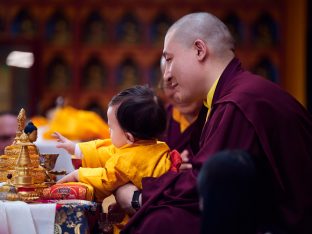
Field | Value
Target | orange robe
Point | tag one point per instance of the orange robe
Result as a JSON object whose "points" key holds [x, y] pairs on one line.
{"points": [[71, 123]]}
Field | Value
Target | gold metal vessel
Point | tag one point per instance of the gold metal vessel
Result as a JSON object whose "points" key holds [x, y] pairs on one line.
{"points": [[20, 166]]}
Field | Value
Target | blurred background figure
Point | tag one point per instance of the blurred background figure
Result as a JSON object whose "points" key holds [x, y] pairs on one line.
{"points": [[8, 127], [77, 124], [181, 120], [73, 123], [182, 117]]}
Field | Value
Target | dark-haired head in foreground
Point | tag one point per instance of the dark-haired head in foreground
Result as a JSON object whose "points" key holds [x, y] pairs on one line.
{"points": [[234, 196], [227, 187], [138, 114]]}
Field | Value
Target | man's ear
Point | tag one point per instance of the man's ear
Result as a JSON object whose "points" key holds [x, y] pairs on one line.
{"points": [[201, 49], [130, 138]]}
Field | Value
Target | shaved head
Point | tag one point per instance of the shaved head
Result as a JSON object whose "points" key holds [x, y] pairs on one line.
{"points": [[206, 27]]}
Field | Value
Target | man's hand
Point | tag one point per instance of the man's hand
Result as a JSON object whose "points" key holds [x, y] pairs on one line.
{"points": [[64, 143], [185, 161], [124, 195], [71, 177]]}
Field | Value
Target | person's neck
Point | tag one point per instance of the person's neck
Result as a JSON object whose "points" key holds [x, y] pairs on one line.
{"points": [[144, 141], [215, 68], [191, 117]]}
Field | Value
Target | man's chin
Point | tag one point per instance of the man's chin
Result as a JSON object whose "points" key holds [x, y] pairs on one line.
{"points": [[178, 98], [182, 99]]}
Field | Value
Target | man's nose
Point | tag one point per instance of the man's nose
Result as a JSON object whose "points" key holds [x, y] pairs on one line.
{"points": [[167, 78]]}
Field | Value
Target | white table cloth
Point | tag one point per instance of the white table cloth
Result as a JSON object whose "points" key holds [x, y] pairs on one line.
{"points": [[18, 217]]}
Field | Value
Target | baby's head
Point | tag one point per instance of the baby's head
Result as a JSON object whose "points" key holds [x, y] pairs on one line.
{"points": [[135, 114]]}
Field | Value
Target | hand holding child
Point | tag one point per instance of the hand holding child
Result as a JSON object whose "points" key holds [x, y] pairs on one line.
{"points": [[186, 165]]}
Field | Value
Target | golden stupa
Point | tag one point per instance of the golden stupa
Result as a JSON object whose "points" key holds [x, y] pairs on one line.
{"points": [[21, 159]]}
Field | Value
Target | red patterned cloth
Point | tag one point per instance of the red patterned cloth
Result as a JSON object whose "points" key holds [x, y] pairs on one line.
{"points": [[70, 190]]}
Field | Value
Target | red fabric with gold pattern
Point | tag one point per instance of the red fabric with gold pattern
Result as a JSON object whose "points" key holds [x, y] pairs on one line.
{"points": [[70, 190]]}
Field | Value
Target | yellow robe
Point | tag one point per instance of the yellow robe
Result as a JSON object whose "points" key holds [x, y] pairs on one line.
{"points": [[106, 167], [71, 123], [179, 118]]}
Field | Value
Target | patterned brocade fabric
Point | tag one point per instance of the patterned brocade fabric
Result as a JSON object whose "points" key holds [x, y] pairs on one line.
{"points": [[76, 216], [70, 190]]}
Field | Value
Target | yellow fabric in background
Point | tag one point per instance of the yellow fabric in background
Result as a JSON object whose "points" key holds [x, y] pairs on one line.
{"points": [[39, 121], [77, 124]]}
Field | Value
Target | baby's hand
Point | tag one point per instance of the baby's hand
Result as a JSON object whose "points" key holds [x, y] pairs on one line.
{"points": [[71, 177], [185, 161], [64, 143]]}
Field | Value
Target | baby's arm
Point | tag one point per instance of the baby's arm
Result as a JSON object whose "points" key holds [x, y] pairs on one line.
{"points": [[64, 143], [71, 177]]}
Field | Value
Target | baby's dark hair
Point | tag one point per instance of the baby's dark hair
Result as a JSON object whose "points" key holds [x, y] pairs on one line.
{"points": [[140, 112]]}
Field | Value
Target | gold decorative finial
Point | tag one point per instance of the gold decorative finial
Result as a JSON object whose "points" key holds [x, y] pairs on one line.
{"points": [[21, 120]]}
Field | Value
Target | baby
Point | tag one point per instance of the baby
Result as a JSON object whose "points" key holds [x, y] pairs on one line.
{"points": [[136, 118]]}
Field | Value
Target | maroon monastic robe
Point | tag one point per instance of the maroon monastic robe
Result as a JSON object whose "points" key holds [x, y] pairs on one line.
{"points": [[250, 113], [189, 138]]}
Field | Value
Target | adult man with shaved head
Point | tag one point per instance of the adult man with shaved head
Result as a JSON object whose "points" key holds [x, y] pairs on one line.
{"points": [[246, 112]]}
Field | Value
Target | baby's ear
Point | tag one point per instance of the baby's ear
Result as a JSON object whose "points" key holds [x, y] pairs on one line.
{"points": [[130, 138]]}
